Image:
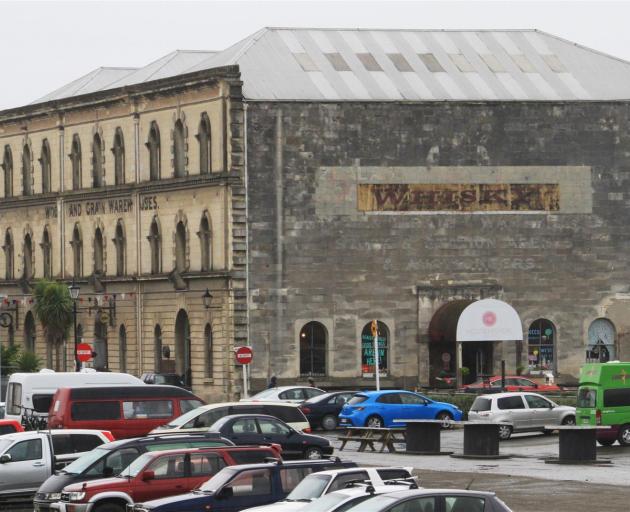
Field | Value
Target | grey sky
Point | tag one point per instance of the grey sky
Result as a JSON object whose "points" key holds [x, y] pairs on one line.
{"points": [[44, 45]]}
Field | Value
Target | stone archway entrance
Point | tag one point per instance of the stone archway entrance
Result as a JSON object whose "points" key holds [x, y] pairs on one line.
{"points": [[476, 356], [183, 347]]}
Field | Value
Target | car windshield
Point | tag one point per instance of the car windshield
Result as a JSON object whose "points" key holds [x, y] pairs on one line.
{"points": [[373, 504], [184, 418], [325, 503], [357, 399], [218, 480], [318, 398], [481, 404], [4, 444], [586, 398], [267, 393], [311, 487], [82, 463], [136, 466]]}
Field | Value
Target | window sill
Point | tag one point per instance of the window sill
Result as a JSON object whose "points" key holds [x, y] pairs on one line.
{"points": [[208, 381]]}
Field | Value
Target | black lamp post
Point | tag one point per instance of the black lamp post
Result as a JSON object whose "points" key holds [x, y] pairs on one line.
{"points": [[74, 294]]}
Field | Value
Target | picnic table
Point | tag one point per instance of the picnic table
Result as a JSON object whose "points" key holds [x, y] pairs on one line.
{"points": [[367, 437]]}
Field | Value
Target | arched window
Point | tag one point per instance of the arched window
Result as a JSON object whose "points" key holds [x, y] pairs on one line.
{"points": [[180, 247], [602, 341], [153, 144], [75, 161], [119, 157], [97, 161], [157, 344], [77, 252], [8, 254], [541, 338], [47, 254], [98, 252], [7, 166], [44, 160], [205, 239], [313, 338], [122, 348], [28, 258], [207, 338], [179, 149], [101, 359], [155, 241], [183, 347], [30, 332], [119, 242], [27, 165], [205, 145], [367, 349]]}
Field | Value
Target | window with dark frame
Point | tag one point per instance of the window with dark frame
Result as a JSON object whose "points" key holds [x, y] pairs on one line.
{"points": [[313, 341]]}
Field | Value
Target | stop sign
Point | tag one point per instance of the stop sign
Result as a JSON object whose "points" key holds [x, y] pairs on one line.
{"points": [[244, 355], [84, 352]]}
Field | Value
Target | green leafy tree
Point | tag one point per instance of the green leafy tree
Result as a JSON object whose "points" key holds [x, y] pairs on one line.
{"points": [[53, 308], [27, 362], [9, 355]]}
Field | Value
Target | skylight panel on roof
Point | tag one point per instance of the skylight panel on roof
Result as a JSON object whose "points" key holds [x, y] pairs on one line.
{"points": [[523, 63], [322, 41], [537, 42], [369, 62], [432, 64], [305, 61], [353, 41], [462, 62], [554, 63], [478, 45], [337, 61], [446, 42], [413, 39], [493, 63], [399, 61], [508, 45], [291, 41], [383, 40]]}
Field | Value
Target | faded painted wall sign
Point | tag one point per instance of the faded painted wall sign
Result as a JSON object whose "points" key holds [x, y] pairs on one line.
{"points": [[100, 207], [383, 197]]}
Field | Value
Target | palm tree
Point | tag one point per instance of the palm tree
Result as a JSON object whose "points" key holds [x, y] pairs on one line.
{"points": [[53, 308]]}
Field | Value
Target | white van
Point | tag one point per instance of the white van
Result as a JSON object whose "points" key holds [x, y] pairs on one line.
{"points": [[34, 391]]}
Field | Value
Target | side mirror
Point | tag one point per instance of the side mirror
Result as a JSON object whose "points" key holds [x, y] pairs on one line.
{"points": [[148, 475], [107, 471], [225, 493], [4, 458]]}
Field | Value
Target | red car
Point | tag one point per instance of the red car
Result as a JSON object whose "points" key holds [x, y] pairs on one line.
{"points": [[9, 427], [159, 474], [511, 384]]}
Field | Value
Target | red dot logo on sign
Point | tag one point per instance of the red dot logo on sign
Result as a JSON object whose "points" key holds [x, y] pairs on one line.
{"points": [[489, 319], [244, 355]]}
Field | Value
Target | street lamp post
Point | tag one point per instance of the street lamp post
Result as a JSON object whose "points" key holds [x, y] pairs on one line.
{"points": [[74, 294]]}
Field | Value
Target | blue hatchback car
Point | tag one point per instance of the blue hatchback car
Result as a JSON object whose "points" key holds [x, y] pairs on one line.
{"points": [[381, 408]]}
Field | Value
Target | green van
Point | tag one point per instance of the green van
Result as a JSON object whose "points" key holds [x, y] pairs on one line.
{"points": [[604, 399]]}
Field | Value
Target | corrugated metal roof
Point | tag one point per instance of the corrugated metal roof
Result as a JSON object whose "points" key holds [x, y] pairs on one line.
{"points": [[414, 65], [97, 80]]}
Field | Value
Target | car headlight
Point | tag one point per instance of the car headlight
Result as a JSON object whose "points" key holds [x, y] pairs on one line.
{"points": [[52, 496], [75, 496]]}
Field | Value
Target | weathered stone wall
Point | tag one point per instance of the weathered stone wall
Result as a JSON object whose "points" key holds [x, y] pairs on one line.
{"points": [[314, 255]]}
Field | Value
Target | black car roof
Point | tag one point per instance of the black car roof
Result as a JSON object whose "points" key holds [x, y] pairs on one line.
{"points": [[143, 391]]}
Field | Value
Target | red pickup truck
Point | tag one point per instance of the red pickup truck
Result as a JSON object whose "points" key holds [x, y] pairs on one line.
{"points": [[159, 474]]}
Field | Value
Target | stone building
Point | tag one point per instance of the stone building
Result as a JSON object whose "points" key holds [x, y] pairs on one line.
{"points": [[388, 175]]}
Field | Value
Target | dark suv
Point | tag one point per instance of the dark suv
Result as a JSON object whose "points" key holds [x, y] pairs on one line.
{"points": [[239, 487], [170, 379], [111, 458]]}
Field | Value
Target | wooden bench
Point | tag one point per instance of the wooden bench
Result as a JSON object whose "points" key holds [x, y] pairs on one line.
{"points": [[368, 436]]}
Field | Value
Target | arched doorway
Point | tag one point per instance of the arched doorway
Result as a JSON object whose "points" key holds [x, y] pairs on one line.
{"points": [[100, 345], [313, 338], [182, 347], [476, 356]]}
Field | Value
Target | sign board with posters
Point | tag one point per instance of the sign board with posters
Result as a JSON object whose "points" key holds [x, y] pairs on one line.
{"points": [[489, 320]]}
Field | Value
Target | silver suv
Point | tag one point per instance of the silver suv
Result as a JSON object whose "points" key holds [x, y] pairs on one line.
{"points": [[523, 412]]}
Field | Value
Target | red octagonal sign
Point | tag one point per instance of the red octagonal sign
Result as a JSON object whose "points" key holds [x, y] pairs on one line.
{"points": [[84, 352], [244, 355]]}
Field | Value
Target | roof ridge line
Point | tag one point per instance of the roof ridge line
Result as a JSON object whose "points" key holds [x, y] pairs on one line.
{"points": [[583, 47]]}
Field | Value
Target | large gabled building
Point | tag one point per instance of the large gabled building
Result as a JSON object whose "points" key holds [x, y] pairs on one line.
{"points": [[344, 176]]}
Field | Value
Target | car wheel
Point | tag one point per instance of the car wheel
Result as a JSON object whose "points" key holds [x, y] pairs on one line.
{"points": [[110, 507], [624, 435], [329, 422], [374, 422], [505, 431], [313, 453], [569, 420], [446, 418], [606, 442]]}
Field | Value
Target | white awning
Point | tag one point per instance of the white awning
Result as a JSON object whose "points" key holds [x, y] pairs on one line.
{"points": [[489, 320]]}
